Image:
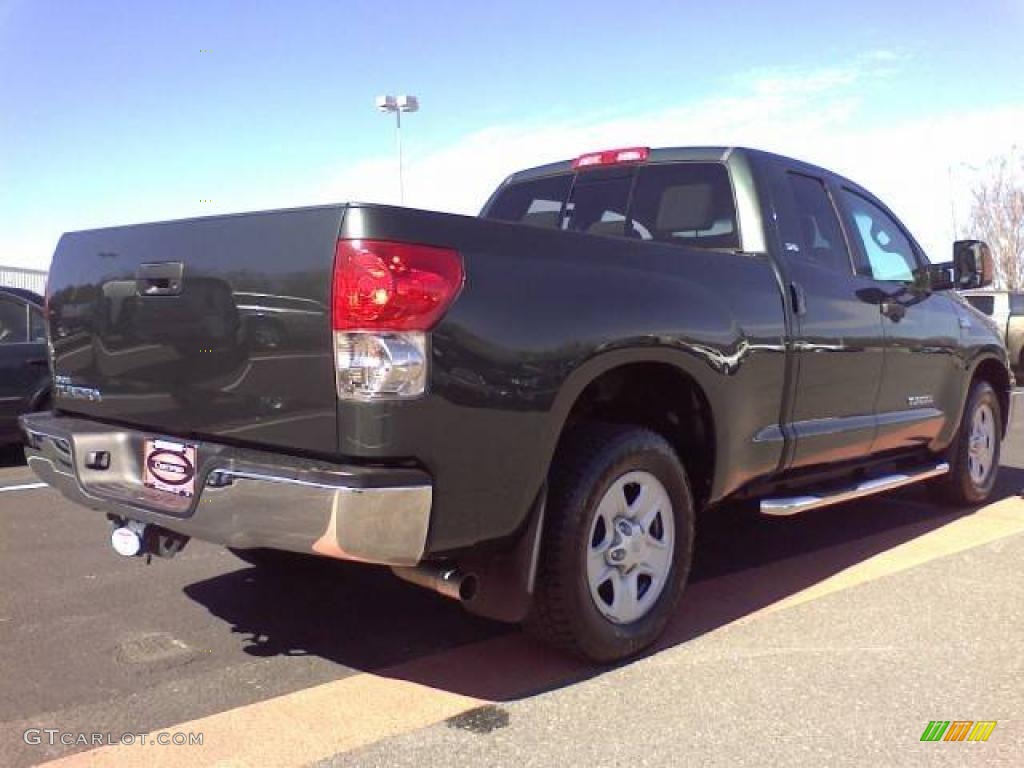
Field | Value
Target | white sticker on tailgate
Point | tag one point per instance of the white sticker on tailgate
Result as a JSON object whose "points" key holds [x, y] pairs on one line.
{"points": [[169, 467]]}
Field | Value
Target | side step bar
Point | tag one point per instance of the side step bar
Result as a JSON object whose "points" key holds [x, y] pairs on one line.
{"points": [[785, 506]]}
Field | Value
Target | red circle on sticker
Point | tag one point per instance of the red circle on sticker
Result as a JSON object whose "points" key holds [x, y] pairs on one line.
{"points": [[170, 467]]}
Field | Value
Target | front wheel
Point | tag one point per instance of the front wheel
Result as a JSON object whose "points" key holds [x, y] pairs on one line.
{"points": [[974, 454], [618, 542]]}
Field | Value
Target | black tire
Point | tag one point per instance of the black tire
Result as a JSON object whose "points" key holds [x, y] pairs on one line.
{"points": [[589, 460], [960, 487]]}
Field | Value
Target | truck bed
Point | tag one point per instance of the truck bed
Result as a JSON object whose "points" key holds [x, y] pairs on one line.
{"points": [[243, 356]]}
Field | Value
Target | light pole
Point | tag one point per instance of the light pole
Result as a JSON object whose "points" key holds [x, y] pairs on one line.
{"points": [[398, 105]]}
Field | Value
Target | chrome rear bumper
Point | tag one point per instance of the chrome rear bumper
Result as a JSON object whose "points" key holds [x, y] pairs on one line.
{"points": [[244, 498]]}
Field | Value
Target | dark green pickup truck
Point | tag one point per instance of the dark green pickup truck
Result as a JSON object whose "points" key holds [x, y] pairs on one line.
{"points": [[526, 410]]}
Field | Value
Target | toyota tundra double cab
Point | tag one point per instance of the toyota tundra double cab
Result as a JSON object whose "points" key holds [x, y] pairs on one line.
{"points": [[525, 410]]}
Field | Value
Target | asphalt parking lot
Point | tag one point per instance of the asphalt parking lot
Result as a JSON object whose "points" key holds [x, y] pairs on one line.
{"points": [[832, 638]]}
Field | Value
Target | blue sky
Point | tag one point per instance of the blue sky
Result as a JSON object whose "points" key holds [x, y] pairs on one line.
{"points": [[117, 112]]}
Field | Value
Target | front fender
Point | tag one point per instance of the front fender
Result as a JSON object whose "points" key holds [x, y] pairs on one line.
{"points": [[994, 358]]}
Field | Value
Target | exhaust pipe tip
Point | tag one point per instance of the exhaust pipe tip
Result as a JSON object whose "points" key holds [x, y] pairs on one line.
{"points": [[468, 586], [444, 579]]}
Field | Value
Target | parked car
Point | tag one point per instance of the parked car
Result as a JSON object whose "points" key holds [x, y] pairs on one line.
{"points": [[1006, 308], [24, 368], [525, 410]]}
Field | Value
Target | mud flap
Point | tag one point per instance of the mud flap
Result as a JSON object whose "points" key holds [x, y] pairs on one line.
{"points": [[506, 579]]}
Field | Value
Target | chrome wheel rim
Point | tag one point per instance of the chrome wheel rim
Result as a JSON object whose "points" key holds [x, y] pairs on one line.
{"points": [[981, 446], [630, 546]]}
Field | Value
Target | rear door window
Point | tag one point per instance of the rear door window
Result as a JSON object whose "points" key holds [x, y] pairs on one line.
{"points": [[1017, 303], [13, 321], [813, 232]]}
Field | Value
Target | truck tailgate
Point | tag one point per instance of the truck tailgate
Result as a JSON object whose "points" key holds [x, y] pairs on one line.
{"points": [[215, 327]]}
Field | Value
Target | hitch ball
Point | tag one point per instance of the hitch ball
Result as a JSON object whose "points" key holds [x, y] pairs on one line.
{"points": [[127, 539], [132, 538]]}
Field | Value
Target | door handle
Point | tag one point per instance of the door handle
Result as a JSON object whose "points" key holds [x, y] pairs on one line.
{"points": [[161, 279], [893, 310], [37, 361]]}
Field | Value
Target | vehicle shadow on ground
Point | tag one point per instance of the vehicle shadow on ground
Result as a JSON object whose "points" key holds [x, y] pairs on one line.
{"points": [[365, 618]]}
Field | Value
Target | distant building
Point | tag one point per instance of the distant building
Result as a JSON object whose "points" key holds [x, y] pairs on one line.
{"points": [[17, 277]]}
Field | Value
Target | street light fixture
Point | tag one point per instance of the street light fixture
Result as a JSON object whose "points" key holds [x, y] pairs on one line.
{"points": [[398, 105]]}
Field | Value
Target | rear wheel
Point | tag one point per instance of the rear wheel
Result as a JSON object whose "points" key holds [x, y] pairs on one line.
{"points": [[618, 542], [974, 454]]}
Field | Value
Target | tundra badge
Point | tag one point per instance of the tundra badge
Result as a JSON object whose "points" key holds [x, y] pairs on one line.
{"points": [[65, 388]]}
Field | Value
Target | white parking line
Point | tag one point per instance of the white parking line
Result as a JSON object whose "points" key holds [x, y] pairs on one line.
{"points": [[25, 487]]}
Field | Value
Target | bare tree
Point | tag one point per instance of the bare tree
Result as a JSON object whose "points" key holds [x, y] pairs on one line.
{"points": [[997, 217]]}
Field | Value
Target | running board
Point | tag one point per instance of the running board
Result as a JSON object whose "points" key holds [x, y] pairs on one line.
{"points": [[785, 506]]}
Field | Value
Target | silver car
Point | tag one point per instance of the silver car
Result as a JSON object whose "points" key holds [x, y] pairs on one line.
{"points": [[1006, 308]]}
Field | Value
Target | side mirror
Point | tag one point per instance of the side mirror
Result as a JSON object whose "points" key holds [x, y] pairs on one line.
{"points": [[972, 264]]}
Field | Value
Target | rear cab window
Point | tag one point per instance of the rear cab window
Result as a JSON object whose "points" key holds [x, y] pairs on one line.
{"points": [[685, 203], [599, 202], [538, 202]]}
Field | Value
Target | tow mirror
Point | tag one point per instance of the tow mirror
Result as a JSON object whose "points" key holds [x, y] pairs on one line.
{"points": [[972, 264]]}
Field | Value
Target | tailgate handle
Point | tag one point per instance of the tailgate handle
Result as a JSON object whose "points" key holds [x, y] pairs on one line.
{"points": [[161, 279]]}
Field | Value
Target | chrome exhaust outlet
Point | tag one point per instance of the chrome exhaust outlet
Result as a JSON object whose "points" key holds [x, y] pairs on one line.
{"points": [[446, 580]]}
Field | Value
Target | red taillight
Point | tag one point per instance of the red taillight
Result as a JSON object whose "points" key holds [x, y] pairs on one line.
{"points": [[382, 285], [611, 157]]}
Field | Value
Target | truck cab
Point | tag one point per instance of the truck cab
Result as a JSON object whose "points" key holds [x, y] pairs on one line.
{"points": [[873, 340]]}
